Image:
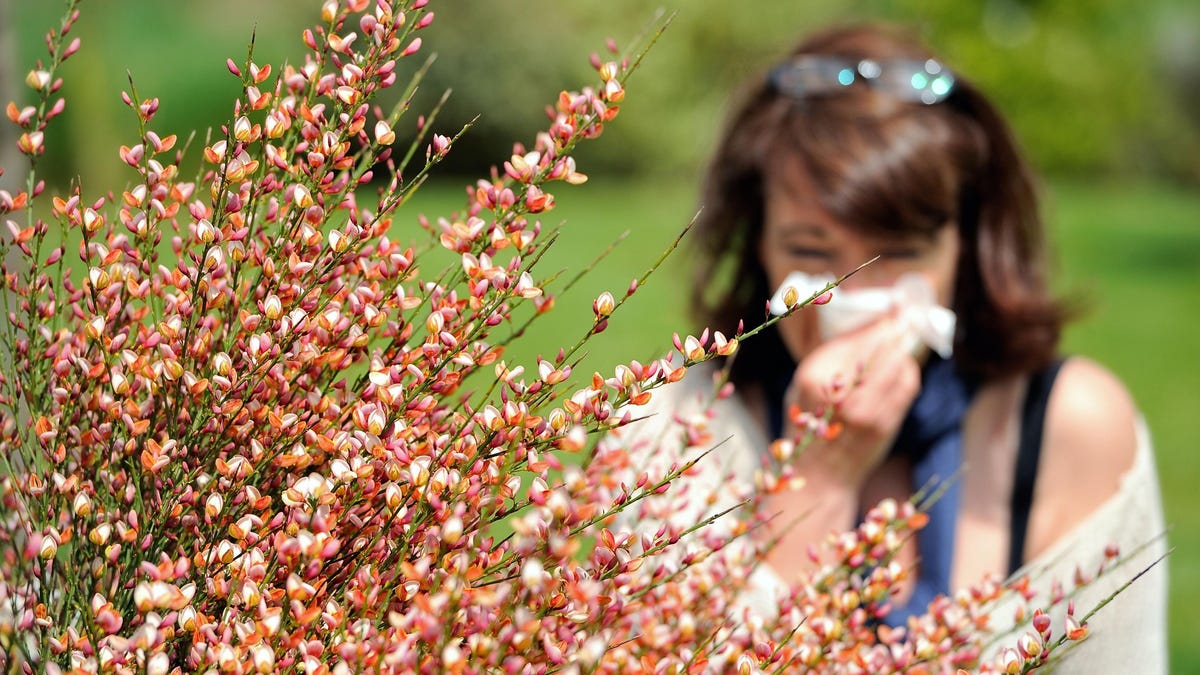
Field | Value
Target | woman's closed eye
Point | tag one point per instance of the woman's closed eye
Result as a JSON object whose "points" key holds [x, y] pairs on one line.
{"points": [[809, 252], [903, 252]]}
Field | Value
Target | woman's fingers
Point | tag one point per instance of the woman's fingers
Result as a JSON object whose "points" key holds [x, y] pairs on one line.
{"points": [[870, 379], [883, 392], [838, 367]]}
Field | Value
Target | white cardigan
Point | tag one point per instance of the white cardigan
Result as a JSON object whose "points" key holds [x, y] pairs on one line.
{"points": [[1127, 635]]}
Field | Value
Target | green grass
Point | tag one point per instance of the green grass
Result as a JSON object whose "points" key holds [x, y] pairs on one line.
{"points": [[1136, 251], [1131, 250]]}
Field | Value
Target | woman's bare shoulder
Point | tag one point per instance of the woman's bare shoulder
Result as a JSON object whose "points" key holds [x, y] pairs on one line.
{"points": [[1091, 421], [1089, 443]]}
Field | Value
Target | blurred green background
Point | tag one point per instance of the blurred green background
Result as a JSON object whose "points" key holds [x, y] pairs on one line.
{"points": [[1104, 95]]}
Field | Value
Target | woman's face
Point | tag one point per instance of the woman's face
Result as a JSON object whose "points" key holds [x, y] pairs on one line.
{"points": [[800, 236]]}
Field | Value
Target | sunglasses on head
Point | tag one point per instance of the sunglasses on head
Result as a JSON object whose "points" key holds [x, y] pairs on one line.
{"points": [[912, 80]]}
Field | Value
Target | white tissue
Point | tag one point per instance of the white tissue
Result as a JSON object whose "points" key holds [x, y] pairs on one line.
{"points": [[926, 322]]}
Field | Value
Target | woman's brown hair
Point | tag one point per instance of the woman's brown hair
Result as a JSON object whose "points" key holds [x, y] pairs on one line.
{"points": [[883, 165]]}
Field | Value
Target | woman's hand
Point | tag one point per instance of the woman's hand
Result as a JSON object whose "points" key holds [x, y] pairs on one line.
{"points": [[870, 378]]}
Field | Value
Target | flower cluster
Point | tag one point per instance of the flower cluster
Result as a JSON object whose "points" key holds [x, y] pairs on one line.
{"points": [[252, 447]]}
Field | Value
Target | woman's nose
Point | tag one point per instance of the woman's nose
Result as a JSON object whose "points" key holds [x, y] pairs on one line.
{"points": [[870, 276]]}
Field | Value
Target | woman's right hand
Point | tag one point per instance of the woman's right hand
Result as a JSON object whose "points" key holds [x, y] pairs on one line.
{"points": [[871, 378]]}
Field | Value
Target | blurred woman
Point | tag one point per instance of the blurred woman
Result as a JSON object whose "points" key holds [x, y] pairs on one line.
{"points": [[941, 365]]}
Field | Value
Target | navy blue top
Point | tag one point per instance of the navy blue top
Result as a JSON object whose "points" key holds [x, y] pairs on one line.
{"points": [[931, 436]]}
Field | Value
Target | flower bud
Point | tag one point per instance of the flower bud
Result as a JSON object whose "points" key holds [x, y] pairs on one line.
{"points": [[275, 125], [302, 197], [82, 505], [1041, 622], [250, 594], [100, 534], [272, 307], [242, 129], [205, 231], [159, 664], [95, 328], [533, 575], [376, 421], [384, 134], [575, 439], [412, 48], [222, 363], [92, 221], [31, 143], [609, 70], [37, 79], [48, 549], [187, 618], [557, 420], [393, 496], [216, 152], [347, 94], [351, 73], [213, 505], [440, 144], [791, 297], [99, 278], [453, 658], [452, 530], [604, 305], [262, 655], [328, 14], [1075, 631], [338, 241], [1029, 645], [141, 597]]}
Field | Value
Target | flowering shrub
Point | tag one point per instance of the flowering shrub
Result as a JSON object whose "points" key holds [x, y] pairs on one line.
{"points": [[255, 451]]}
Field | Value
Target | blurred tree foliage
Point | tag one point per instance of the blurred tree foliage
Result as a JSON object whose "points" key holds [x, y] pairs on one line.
{"points": [[172, 51], [1108, 86], [1100, 86]]}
